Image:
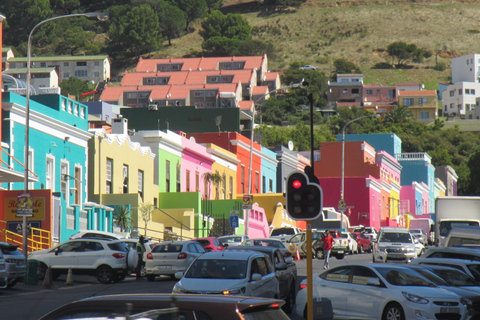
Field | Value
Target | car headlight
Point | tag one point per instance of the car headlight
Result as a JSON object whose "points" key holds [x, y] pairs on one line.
{"points": [[234, 291], [410, 249], [466, 302], [414, 298], [178, 289]]}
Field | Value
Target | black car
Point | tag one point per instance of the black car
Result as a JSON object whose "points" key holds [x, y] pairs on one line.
{"points": [[285, 269]]}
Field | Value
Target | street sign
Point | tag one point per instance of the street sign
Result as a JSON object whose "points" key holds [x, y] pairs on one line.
{"points": [[234, 212], [24, 205], [234, 221], [247, 202]]}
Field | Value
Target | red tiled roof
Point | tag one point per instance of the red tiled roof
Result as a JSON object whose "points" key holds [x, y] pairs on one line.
{"points": [[111, 93], [259, 90], [407, 84], [269, 76], [246, 105]]}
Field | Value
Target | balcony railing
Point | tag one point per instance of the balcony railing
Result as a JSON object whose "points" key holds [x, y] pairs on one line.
{"points": [[413, 156]]}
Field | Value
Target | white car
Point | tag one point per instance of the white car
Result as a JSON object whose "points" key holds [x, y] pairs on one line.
{"points": [[232, 240], [394, 244], [96, 234], [308, 67], [244, 273], [166, 258], [352, 243], [472, 268], [108, 260], [378, 291]]}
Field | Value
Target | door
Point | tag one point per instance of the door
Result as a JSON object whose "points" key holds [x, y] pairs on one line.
{"points": [[66, 255], [267, 286], [335, 286], [362, 299]]}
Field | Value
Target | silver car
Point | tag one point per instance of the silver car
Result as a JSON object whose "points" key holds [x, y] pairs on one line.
{"points": [[3, 273], [15, 263]]}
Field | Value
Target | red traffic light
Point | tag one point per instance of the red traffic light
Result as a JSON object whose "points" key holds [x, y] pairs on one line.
{"points": [[297, 184]]}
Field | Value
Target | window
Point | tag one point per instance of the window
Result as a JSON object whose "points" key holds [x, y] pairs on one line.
{"points": [[50, 173], [125, 178], [338, 275], [369, 92], [140, 183], [378, 91], [224, 186], [452, 93], [187, 177], [64, 181], [197, 182], [467, 91], [345, 91], [43, 64], [472, 91], [408, 101], [460, 92], [257, 182], [210, 93], [96, 63], [198, 93], [242, 177], [66, 64], [230, 190], [264, 181], [361, 275], [109, 176], [96, 74], [178, 179], [270, 185], [424, 115], [66, 75], [422, 101], [355, 91], [81, 73], [78, 186], [167, 176], [217, 188], [391, 93], [81, 63], [213, 79]]}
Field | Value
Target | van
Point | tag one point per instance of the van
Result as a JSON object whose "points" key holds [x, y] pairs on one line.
{"points": [[463, 235]]}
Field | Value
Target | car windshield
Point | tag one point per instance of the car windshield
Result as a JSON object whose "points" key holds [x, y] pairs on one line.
{"points": [[446, 226], [217, 269], [203, 242], [230, 240], [396, 237], [268, 243], [436, 279], [404, 277], [455, 277], [475, 270], [118, 246]]}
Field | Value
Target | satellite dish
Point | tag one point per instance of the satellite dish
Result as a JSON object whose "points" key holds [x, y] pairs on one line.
{"points": [[290, 145], [192, 139]]}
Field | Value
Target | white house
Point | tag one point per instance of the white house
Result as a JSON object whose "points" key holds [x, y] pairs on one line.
{"points": [[466, 68], [459, 99]]}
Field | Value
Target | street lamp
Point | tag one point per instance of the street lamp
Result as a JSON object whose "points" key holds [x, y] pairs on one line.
{"points": [[102, 16], [342, 190], [293, 85]]}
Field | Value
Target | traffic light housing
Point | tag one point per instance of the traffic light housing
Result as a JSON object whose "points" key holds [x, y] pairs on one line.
{"points": [[304, 199]]}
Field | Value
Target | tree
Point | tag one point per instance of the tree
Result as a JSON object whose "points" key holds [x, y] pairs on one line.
{"points": [[172, 20], [403, 52], [214, 5], [399, 114], [212, 178], [74, 86], [344, 66], [231, 26], [135, 33], [121, 217], [194, 9], [146, 210]]}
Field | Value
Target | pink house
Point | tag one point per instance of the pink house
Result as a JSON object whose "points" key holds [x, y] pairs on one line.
{"points": [[258, 226]]}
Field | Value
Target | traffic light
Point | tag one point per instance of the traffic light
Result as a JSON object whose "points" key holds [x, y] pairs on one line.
{"points": [[304, 199]]}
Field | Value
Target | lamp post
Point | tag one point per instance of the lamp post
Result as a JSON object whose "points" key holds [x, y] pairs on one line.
{"points": [[342, 190], [102, 16], [293, 85]]}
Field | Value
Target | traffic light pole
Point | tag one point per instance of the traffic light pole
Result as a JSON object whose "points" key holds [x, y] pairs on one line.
{"points": [[309, 226]]}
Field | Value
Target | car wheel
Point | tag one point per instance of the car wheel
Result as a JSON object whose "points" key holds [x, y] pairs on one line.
{"points": [[105, 274], [319, 254], [290, 302], [361, 250], [150, 277], [393, 311], [119, 277], [42, 270]]}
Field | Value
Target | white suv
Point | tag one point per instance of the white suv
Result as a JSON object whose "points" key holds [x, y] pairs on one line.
{"points": [[394, 244], [106, 259]]}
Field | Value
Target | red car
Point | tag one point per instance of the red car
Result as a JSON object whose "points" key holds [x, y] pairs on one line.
{"points": [[364, 242], [210, 244]]}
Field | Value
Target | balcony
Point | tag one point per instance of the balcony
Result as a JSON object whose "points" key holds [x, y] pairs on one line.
{"points": [[413, 156]]}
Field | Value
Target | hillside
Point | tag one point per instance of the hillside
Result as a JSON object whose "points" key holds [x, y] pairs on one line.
{"points": [[319, 32]]}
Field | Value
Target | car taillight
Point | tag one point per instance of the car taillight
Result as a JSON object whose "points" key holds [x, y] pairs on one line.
{"points": [[182, 255], [118, 255], [149, 256], [274, 306], [302, 286]]}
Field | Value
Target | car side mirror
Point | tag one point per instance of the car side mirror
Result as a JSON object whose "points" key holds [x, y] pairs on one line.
{"points": [[225, 245], [178, 275], [288, 259], [256, 276], [57, 251]]}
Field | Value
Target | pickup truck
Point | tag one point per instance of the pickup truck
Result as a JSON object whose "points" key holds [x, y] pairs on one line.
{"points": [[339, 247]]}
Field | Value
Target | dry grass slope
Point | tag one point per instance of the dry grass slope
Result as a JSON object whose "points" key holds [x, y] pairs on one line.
{"points": [[319, 32]]}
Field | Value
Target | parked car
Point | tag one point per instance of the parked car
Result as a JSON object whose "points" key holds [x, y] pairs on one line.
{"points": [[166, 258], [108, 260], [285, 270], [284, 233], [245, 273], [420, 235], [210, 244], [96, 234], [419, 247], [364, 242], [472, 268], [339, 248], [463, 235], [468, 253], [352, 243], [370, 232], [149, 245], [3, 273], [232, 240], [298, 241], [378, 291], [394, 244], [267, 242], [308, 67], [15, 263], [190, 307]]}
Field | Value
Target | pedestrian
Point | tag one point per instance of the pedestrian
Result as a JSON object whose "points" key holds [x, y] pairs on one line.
{"points": [[328, 241], [140, 252]]}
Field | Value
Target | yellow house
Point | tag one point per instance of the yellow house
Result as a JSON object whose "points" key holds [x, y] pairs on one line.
{"points": [[421, 103], [226, 166], [121, 173]]}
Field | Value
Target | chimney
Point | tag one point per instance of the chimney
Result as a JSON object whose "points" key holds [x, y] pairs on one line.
{"points": [[120, 126]]}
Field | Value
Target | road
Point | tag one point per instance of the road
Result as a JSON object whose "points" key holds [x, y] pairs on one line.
{"points": [[30, 302]]}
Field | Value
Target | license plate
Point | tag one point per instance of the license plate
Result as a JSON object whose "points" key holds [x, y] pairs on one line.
{"points": [[165, 267], [449, 310], [340, 251]]}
